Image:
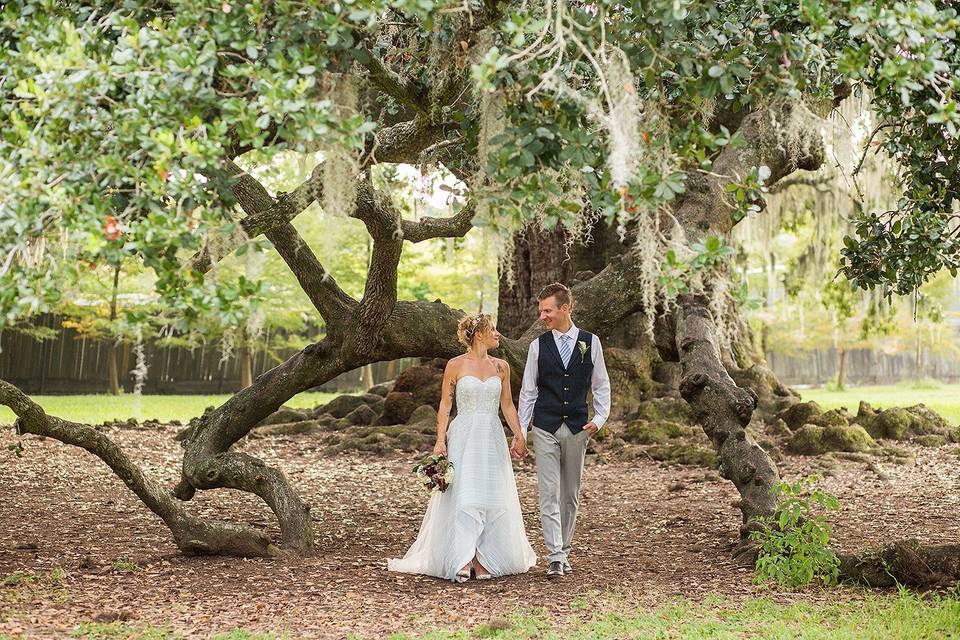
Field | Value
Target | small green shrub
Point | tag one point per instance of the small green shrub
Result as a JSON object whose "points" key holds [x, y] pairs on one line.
{"points": [[794, 543]]}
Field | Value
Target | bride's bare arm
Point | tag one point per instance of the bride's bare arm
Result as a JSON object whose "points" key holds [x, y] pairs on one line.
{"points": [[506, 399], [448, 390]]}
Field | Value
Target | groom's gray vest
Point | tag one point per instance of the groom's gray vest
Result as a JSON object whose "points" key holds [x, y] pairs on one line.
{"points": [[562, 392]]}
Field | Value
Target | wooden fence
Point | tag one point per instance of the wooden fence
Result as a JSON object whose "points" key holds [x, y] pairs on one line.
{"points": [[862, 367], [72, 363]]}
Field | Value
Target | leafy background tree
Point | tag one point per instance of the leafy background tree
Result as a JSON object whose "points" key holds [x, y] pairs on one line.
{"points": [[655, 127]]}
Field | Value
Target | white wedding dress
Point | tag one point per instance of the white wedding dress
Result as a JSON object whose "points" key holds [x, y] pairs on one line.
{"points": [[479, 514]]}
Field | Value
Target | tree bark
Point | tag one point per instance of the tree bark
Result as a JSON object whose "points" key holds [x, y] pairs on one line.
{"points": [[246, 366], [723, 410], [538, 260], [841, 369], [907, 563], [191, 534], [113, 376]]}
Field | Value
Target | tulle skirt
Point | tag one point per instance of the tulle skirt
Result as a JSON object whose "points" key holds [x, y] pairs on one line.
{"points": [[479, 514]]}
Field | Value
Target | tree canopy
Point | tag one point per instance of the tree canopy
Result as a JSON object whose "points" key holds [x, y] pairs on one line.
{"points": [[121, 117]]}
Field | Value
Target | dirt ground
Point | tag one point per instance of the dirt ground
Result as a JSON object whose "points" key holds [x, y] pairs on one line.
{"points": [[646, 532]]}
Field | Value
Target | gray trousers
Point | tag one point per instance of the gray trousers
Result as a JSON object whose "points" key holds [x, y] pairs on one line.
{"points": [[559, 467]]}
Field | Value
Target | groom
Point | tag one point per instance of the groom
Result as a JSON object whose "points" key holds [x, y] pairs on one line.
{"points": [[562, 365]]}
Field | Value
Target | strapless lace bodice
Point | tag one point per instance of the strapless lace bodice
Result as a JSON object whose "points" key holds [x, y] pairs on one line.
{"points": [[478, 396]]}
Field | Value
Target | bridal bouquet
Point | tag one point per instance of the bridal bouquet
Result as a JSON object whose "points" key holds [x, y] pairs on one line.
{"points": [[435, 473]]}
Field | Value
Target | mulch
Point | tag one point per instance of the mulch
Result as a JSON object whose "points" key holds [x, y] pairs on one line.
{"points": [[647, 532]]}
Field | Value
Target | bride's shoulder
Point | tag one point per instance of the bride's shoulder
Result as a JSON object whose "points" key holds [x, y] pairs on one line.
{"points": [[502, 365], [453, 364]]}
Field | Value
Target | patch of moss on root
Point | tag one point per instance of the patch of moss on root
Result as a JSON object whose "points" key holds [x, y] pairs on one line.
{"points": [[379, 440], [812, 439], [905, 423], [646, 432], [685, 454]]}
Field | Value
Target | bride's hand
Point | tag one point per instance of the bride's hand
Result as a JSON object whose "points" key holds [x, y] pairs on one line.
{"points": [[440, 449], [518, 448]]}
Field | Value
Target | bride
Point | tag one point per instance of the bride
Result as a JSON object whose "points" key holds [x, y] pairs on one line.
{"points": [[475, 527]]}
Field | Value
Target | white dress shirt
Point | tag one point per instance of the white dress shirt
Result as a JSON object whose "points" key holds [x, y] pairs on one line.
{"points": [[599, 381]]}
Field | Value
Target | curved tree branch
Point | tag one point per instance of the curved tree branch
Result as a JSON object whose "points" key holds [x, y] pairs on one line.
{"points": [[780, 137], [330, 300], [426, 228], [207, 463], [383, 223], [334, 305], [191, 534], [404, 90]]}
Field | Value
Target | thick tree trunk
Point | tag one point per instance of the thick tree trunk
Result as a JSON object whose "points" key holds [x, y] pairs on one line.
{"points": [[723, 410], [842, 368], [538, 260], [192, 535], [246, 366], [541, 258], [113, 375]]}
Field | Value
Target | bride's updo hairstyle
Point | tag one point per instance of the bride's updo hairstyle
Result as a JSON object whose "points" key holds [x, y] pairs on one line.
{"points": [[472, 326]]}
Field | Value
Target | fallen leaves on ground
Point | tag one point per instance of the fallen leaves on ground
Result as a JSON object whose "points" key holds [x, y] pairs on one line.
{"points": [[87, 550]]}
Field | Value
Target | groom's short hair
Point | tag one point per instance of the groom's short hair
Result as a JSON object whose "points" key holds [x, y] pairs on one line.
{"points": [[560, 292]]}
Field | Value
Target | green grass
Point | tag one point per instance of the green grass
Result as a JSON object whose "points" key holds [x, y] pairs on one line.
{"points": [[126, 566], [125, 631], [122, 631], [942, 398], [845, 615], [903, 616], [16, 579], [94, 409]]}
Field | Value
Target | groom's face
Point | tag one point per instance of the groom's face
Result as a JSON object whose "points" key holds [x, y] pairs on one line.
{"points": [[552, 314]]}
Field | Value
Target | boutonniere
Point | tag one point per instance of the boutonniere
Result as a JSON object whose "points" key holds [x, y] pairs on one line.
{"points": [[583, 349]]}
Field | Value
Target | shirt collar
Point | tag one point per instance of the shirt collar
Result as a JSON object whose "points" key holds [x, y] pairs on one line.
{"points": [[572, 332]]}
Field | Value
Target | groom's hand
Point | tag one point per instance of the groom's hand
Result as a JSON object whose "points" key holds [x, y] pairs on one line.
{"points": [[591, 428]]}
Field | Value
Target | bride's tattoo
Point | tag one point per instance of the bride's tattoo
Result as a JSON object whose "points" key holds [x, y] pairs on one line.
{"points": [[499, 369], [453, 395]]}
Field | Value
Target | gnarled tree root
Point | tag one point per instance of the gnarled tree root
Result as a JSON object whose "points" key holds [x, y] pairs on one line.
{"points": [[234, 470], [906, 562], [723, 410], [191, 534]]}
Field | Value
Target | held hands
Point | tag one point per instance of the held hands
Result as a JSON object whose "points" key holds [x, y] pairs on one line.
{"points": [[518, 448], [440, 449]]}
